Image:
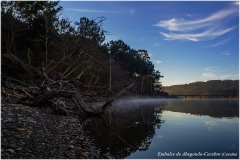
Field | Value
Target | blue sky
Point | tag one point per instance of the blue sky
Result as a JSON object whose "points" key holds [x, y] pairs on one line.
{"points": [[187, 41]]}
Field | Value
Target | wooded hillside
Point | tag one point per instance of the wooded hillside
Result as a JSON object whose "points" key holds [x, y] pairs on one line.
{"points": [[37, 35], [212, 87]]}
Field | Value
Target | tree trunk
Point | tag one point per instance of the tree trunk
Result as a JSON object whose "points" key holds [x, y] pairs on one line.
{"points": [[74, 96]]}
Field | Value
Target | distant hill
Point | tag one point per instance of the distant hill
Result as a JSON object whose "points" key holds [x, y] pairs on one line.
{"points": [[212, 87]]}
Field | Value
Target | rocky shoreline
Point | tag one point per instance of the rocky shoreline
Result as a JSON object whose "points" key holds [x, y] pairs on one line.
{"points": [[31, 132], [34, 132]]}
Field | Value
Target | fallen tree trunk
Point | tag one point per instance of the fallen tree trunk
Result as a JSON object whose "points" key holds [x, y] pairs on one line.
{"points": [[76, 98]]}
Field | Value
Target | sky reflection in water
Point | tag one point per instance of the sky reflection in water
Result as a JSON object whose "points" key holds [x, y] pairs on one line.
{"points": [[192, 126]]}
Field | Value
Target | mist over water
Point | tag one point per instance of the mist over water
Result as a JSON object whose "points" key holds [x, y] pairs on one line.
{"points": [[144, 127]]}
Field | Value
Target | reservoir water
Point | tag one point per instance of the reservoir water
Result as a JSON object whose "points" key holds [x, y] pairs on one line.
{"points": [[169, 128]]}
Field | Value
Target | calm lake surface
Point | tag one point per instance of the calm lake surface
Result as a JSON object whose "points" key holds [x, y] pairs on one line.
{"points": [[167, 128]]}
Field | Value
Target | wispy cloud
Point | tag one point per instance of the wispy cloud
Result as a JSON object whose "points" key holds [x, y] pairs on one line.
{"points": [[160, 136], [158, 62], [222, 41], [208, 69], [208, 74], [225, 76], [206, 35], [198, 30], [216, 73], [156, 44], [184, 25], [179, 62], [89, 10], [226, 53]]}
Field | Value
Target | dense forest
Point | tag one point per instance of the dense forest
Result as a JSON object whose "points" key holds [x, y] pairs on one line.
{"points": [[212, 87], [38, 36]]}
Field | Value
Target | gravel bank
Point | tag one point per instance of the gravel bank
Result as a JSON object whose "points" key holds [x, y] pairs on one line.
{"points": [[30, 132]]}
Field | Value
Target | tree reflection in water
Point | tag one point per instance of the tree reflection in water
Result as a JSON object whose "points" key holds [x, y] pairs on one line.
{"points": [[127, 128], [217, 108]]}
